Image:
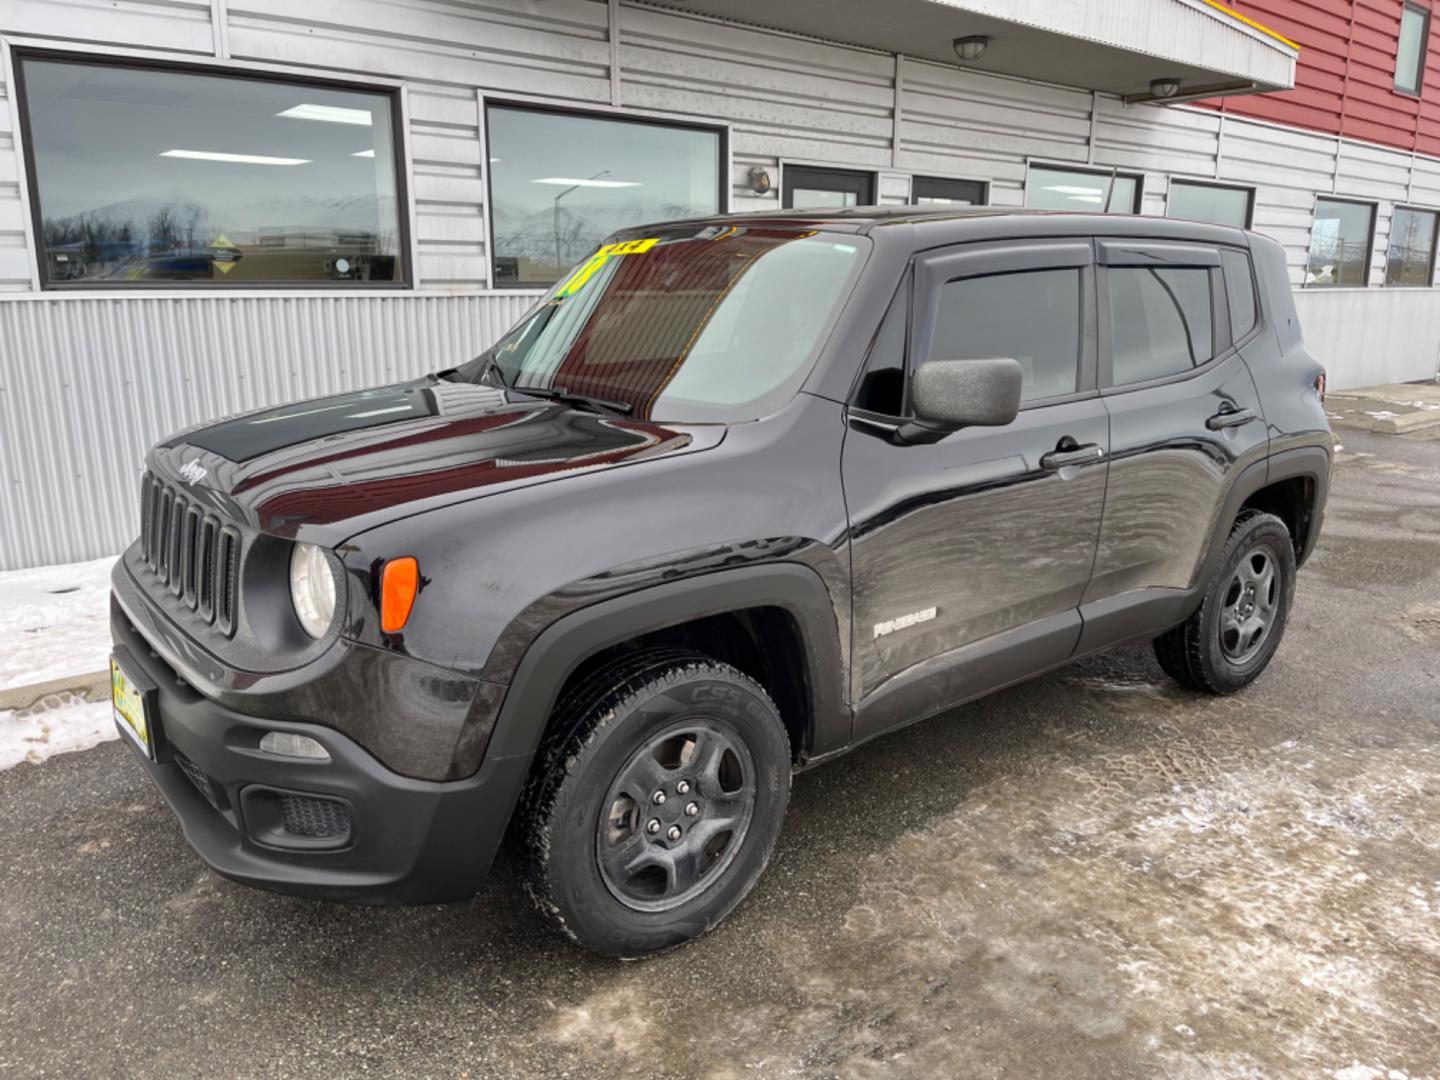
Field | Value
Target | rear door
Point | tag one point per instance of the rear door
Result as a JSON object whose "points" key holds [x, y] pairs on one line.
{"points": [[1184, 417], [984, 539]]}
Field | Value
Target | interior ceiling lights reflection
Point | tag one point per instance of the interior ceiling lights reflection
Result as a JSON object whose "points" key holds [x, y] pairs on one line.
{"points": [[566, 181], [1068, 189], [331, 114], [364, 153], [240, 159]]}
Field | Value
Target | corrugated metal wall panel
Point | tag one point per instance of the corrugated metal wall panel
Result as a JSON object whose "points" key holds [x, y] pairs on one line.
{"points": [[86, 385], [1366, 337]]}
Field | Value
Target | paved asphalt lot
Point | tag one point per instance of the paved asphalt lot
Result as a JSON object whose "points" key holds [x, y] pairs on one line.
{"points": [[1096, 874]]}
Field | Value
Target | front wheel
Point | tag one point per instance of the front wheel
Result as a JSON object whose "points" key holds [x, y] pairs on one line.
{"points": [[657, 804], [1229, 640]]}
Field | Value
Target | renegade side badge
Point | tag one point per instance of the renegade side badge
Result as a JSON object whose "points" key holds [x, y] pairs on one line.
{"points": [[904, 621]]}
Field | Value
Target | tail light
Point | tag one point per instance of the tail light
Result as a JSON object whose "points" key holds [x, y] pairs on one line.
{"points": [[1320, 386]]}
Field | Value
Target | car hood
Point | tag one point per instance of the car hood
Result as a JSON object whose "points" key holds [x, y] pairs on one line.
{"points": [[326, 469]]}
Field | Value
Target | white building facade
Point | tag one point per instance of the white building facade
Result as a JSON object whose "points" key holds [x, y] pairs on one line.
{"points": [[118, 326]]}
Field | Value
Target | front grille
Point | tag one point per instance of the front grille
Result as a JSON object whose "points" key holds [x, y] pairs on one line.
{"points": [[191, 552], [202, 782], [305, 815]]}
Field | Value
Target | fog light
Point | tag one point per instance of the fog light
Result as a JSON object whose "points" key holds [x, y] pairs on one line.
{"points": [[288, 745]]}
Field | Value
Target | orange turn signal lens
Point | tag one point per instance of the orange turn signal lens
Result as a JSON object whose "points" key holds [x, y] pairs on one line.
{"points": [[399, 582]]}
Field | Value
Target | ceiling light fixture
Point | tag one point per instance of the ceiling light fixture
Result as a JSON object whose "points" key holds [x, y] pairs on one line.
{"points": [[238, 159], [1164, 88], [331, 114], [971, 47], [364, 153], [567, 181]]}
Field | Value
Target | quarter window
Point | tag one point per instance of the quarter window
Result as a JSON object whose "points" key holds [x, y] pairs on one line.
{"points": [[1340, 243], [562, 182], [1209, 202], [1411, 256], [145, 175], [1032, 316], [1160, 319], [1239, 292], [1410, 54], [1089, 191]]}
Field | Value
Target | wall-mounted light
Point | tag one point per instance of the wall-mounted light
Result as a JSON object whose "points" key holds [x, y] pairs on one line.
{"points": [[971, 47], [759, 179], [1164, 88]]}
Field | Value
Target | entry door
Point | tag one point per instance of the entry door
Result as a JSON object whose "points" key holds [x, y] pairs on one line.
{"points": [[807, 188], [1184, 417], [986, 537]]}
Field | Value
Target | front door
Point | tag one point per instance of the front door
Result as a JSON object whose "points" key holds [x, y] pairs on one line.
{"points": [[985, 539]]}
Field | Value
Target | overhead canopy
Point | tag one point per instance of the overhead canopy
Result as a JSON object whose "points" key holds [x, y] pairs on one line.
{"points": [[1114, 46]]}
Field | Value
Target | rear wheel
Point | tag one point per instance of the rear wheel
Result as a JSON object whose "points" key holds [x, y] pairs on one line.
{"points": [[1229, 640], [657, 804]]}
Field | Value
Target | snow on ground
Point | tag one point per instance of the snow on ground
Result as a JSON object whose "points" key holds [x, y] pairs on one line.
{"points": [[54, 622], [59, 723]]}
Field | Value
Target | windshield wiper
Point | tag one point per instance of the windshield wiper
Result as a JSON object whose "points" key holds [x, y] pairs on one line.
{"points": [[559, 393]]}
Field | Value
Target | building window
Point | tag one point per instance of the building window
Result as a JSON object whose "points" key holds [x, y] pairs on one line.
{"points": [[1410, 56], [562, 182], [810, 188], [1215, 203], [1340, 243], [158, 175], [1085, 190], [1160, 321], [1410, 259], [937, 191]]}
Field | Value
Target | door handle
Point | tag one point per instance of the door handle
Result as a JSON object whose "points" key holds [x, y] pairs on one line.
{"points": [[1228, 418], [1068, 453]]}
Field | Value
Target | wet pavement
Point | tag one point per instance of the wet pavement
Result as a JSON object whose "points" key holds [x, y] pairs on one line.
{"points": [[1096, 874]]}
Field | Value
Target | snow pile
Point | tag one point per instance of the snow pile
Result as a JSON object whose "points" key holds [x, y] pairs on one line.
{"points": [[59, 723], [54, 622]]}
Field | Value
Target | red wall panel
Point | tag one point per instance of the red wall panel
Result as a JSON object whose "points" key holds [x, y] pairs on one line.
{"points": [[1345, 77]]}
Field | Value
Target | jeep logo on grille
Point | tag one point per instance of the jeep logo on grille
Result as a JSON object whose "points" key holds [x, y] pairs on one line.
{"points": [[192, 472]]}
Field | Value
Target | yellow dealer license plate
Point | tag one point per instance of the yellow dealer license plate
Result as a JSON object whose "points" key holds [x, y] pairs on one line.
{"points": [[129, 705]]}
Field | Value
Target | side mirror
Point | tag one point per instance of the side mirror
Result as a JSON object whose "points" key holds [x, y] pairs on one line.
{"points": [[947, 395]]}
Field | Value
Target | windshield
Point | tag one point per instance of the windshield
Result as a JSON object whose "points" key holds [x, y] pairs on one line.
{"points": [[717, 323]]}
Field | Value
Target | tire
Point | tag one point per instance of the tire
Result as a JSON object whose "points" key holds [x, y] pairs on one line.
{"points": [[1221, 648], [595, 863]]}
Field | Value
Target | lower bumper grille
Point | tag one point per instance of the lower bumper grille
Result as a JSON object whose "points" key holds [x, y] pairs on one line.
{"points": [[305, 815], [197, 777]]}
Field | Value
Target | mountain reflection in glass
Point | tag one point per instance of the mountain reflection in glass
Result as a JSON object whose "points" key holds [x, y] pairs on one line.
{"points": [[157, 175]]}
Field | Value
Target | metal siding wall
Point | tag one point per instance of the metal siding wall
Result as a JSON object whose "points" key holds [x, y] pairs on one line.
{"points": [[86, 385]]}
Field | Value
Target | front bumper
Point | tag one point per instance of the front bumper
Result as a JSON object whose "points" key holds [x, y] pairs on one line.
{"points": [[383, 838]]}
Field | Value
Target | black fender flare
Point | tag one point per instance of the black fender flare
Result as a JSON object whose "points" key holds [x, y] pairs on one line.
{"points": [[565, 644], [1310, 462]]}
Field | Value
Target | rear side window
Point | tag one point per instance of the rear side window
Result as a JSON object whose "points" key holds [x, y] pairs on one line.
{"points": [[1032, 316], [1239, 291], [1160, 321]]}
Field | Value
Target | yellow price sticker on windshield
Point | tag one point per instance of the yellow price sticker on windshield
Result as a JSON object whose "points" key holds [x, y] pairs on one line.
{"points": [[586, 270]]}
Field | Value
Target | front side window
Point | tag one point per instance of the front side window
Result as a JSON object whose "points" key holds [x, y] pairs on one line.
{"points": [[1340, 243], [1084, 191], [683, 324], [1032, 316], [158, 175], [1160, 321], [562, 182], [1410, 259], [1410, 54], [1209, 202]]}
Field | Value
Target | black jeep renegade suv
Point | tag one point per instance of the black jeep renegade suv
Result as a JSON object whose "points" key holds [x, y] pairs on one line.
{"points": [[736, 496]]}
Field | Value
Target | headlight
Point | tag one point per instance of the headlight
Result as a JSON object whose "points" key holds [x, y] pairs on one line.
{"points": [[312, 589]]}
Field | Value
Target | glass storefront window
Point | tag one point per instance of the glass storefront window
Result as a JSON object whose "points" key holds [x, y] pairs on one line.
{"points": [[1410, 259], [561, 182], [1340, 243], [1067, 189], [1209, 202], [159, 175]]}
